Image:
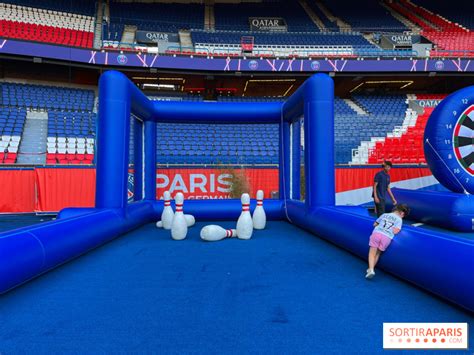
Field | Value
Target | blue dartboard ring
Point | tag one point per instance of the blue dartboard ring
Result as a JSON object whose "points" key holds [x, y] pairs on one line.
{"points": [[449, 141]]}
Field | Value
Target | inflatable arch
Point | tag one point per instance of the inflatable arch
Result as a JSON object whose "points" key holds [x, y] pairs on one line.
{"points": [[432, 260]]}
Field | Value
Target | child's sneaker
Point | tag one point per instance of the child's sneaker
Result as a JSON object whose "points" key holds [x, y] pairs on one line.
{"points": [[370, 274]]}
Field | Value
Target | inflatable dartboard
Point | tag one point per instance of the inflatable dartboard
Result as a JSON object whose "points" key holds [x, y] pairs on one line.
{"points": [[449, 141]]}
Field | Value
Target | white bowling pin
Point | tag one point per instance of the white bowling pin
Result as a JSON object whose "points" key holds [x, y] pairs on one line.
{"points": [[244, 223], [212, 233], [189, 220], [179, 227], [167, 214], [259, 217]]}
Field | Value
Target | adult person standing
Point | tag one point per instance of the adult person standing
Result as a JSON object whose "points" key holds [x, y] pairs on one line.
{"points": [[382, 188]]}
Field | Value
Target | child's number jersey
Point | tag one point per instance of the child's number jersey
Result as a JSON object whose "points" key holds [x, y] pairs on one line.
{"points": [[387, 222]]}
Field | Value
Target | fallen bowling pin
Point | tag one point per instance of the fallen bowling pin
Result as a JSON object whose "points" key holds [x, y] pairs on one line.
{"points": [[179, 227], [259, 217], [244, 223], [167, 214], [213, 233]]}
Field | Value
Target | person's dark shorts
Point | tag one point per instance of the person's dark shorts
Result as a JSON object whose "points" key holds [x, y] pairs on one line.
{"points": [[380, 207]]}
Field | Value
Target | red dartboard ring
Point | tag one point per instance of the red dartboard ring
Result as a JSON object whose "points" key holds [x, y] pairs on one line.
{"points": [[463, 140]]}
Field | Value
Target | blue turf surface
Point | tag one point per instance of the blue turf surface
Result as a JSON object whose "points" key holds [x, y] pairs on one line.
{"points": [[284, 291]]}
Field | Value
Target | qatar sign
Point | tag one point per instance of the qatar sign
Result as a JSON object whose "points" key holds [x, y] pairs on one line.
{"points": [[267, 24]]}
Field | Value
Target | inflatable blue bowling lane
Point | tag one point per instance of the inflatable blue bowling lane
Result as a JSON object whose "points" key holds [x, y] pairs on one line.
{"points": [[435, 259]]}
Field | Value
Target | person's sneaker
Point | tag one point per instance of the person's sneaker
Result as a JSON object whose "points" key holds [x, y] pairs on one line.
{"points": [[370, 274]]}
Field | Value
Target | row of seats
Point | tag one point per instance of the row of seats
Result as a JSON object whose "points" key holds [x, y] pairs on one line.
{"points": [[73, 159], [80, 7], [322, 39], [44, 33], [37, 16], [72, 124], [8, 158], [43, 96]]}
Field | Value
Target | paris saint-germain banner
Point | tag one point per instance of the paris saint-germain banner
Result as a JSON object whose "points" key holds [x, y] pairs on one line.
{"points": [[267, 24]]}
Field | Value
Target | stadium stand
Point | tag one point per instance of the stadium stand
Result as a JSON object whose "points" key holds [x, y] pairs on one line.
{"points": [[217, 144], [384, 113], [365, 15], [46, 25], [258, 144], [152, 17], [71, 121], [460, 14], [450, 38], [46, 97], [235, 17], [404, 146], [71, 129]]}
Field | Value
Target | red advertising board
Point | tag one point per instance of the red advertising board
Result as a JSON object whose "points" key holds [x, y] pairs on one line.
{"points": [[199, 183], [51, 189]]}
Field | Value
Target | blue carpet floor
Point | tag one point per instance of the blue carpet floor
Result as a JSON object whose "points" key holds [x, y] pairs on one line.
{"points": [[284, 291]]}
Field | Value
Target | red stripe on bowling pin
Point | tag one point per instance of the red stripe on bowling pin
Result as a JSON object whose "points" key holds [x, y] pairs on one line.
{"points": [[167, 203], [228, 233], [259, 203], [245, 207], [179, 208]]}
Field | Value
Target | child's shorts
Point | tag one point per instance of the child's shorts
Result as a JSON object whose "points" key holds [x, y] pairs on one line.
{"points": [[379, 241]]}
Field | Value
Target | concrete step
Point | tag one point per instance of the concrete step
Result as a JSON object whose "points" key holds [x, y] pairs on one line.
{"points": [[32, 149], [357, 108]]}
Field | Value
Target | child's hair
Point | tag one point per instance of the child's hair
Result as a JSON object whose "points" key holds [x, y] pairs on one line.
{"points": [[387, 163], [402, 208]]}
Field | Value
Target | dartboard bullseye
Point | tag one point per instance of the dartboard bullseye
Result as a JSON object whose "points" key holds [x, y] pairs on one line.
{"points": [[463, 140], [449, 141]]}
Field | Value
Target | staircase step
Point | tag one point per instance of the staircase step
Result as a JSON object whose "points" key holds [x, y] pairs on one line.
{"points": [[32, 149]]}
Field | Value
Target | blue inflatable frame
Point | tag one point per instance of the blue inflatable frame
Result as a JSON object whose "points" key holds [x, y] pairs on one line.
{"points": [[433, 260]]}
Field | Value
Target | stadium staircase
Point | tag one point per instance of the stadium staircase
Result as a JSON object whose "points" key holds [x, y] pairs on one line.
{"points": [[312, 15], [128, 36], [186, 40], [209, 17], [32, 150], [409, 24], [354, 106], [343, 26], [98, 25]]}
